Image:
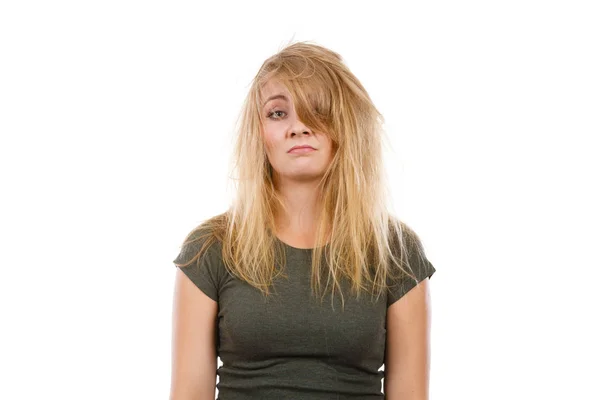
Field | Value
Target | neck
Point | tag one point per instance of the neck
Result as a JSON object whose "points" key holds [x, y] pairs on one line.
{"points": [[300, 213]]}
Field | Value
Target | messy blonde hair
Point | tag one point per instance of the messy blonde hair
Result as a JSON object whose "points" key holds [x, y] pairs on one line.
{"points": [[362, 242]]}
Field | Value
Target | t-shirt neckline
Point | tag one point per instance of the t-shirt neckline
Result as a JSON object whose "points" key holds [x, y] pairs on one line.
{"points": [[304, 250]]}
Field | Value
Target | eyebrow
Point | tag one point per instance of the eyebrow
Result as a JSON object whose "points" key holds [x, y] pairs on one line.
{"points": [[277, 96]]}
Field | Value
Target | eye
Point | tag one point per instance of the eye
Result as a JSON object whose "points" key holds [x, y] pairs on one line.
{"points": [[270, 114]]}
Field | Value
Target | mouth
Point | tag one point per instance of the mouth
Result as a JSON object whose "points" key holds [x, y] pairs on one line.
{"points": [[301, 149]]}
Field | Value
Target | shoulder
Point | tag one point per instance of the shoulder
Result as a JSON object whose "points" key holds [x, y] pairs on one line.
{"points": [[409, 251], [201, 242], [410, 242], [413, 262]]}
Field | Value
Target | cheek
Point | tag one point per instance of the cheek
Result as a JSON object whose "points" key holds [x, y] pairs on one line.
{"points": [[331, 151], [266, 136], [270, 139], [328, 145], [270, 142]]}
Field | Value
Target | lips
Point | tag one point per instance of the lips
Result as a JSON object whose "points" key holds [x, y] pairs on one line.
{"points": [[304, 146]]}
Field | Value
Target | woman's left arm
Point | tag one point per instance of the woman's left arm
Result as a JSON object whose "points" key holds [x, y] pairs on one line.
{"points": [[407, 350]]}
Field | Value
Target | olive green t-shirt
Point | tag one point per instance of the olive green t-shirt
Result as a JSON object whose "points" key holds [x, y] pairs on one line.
{"points": [[291, 345]]}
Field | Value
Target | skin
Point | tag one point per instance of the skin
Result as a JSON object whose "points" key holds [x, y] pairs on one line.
{"points": [[193, 346], [408, 345], [194, 359], [295, 175]]}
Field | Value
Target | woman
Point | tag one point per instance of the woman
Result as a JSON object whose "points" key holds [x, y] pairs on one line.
{"points": [[309, 219]]}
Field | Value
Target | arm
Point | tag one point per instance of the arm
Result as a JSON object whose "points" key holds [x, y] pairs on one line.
{"points": [[194, 358], [407, 351]]}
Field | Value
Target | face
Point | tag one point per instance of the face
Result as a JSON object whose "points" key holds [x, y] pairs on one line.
{"points": [[282, 130]]}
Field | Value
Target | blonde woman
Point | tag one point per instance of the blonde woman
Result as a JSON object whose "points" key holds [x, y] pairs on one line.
{"points": [[307, 285]]}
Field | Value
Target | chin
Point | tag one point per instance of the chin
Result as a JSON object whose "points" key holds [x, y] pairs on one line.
{"points": [[305, 175]]}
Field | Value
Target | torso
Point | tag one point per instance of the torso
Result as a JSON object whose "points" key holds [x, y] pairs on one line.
{"points": [[299, 242]]}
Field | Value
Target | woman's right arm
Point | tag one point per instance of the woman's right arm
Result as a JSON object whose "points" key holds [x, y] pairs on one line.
{"points": [[193, 351]]}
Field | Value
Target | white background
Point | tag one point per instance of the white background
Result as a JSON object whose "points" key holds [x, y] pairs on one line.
{"points": [[116, 122]]}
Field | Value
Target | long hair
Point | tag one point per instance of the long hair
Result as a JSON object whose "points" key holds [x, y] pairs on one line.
{"points": [[358, 240]]}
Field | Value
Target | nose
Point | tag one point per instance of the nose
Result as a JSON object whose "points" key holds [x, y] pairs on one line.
{"points": [[305, 131], [299, 128]]}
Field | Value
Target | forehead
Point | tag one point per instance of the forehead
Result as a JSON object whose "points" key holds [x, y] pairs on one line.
{"points": [[273, 88]]}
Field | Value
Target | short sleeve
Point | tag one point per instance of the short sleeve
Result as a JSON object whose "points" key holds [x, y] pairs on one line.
{"points": [[205, 271], [420, 265]]}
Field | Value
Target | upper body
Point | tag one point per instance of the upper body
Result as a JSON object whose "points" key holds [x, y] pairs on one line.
{"points": [[290, 345]]}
